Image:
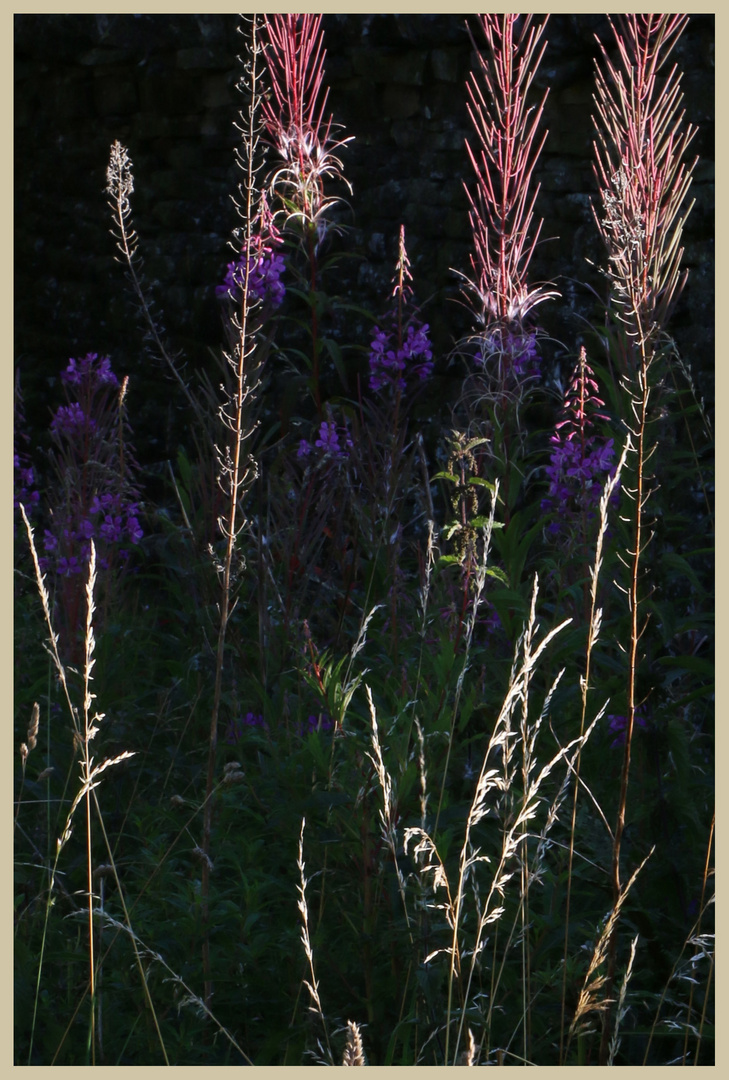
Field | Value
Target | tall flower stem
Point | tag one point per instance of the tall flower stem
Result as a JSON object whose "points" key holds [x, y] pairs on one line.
{"points": [[120, 186], [644, 182], [314, 326], [294, 116], [236, 473], [507, 147]]}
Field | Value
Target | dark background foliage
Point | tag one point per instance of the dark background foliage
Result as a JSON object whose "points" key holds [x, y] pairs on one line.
{"points": [[165, 86]]}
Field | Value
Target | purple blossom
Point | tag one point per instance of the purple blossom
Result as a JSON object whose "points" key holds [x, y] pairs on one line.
{"points": [[405, 349], [134, 530], [70, 420], [90, 370], [516, 350], [264, 278], [237, 725], [68, 566], [111, 529], [24, 491], [389, 363], [102, 504], [334, 441], [329, 437], [581, 462], [316, 722], [619, 726], [108, 521], [577, 474]]}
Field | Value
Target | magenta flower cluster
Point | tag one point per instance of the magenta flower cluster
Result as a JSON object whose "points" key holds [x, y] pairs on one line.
{"points": [[619, 727], [90, 369], [581, 461], [316, 722], [264, 278], [515, 351], [334, 441], [71, 420], [84, 430], [577, 475], [391, 363], [87, 378], [236, 726], [25, 491], [108, 521]]}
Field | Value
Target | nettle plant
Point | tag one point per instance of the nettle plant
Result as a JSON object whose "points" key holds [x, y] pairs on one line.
{"points": [[413, 657]]}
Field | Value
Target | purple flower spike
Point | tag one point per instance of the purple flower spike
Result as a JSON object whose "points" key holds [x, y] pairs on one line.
{"points": [[264, 278], [70, 420], [515, 352], [236, 726], [134, 531], [328, 439], [390, 363], [316, 722], [334, 441], [90, 370], [580, 462], [406, 349], [619, 726]]}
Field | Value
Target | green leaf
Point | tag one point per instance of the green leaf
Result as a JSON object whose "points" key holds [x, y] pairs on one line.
{"points": [[447, 560], [482, 521], [478, 481]]}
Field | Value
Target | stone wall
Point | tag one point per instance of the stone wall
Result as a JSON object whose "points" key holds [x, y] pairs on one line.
{"points": [[165, 87]]}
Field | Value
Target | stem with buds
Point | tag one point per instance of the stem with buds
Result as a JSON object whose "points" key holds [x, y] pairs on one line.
{"points": [[643, 181], [236, 472]]}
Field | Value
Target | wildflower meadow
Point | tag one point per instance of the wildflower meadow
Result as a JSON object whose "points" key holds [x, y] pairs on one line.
{"points": [[379, 728]]}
